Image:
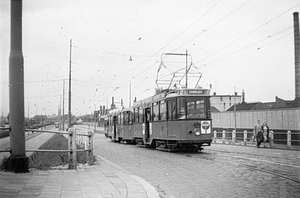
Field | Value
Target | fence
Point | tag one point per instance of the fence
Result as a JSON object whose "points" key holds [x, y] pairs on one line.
{"points": [[278, 119], [246, 137], [74, 137]]}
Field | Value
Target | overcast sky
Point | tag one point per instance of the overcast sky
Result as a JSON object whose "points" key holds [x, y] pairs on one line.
{"points": [[235, 44]]}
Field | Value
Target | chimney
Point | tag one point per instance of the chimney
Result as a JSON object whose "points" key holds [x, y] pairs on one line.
{"points": [[112, 103], [297, 54], [243, 96]]}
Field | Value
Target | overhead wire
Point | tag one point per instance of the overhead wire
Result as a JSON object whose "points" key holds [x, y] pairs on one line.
{"points": [[188, 41], [214, 24], [165, 46], [248, 46], [254, 30]]}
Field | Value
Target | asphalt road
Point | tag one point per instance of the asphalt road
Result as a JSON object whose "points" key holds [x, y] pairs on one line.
{"points": [[217, 171]]}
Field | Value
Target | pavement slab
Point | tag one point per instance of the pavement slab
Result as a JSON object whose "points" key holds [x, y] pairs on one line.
{"points": [[103, 180]]}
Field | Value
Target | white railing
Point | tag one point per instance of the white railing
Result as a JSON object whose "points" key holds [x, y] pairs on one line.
{"points": [[74, 137], [231, 137]]}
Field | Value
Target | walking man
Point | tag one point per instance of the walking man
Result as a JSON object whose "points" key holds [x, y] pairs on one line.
{"points": [[257, 128]]}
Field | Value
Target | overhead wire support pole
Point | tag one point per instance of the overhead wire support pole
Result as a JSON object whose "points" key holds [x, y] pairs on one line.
{"points": [[17, 161], [186, 69], [63, 111], [69, 112]]}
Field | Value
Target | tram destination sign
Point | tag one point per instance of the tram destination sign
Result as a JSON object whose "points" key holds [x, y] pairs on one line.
{"points": [[193, 92]]}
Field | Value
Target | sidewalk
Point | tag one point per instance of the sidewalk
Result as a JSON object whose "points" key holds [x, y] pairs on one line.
{"points": [[253, 144], [102, 180]]}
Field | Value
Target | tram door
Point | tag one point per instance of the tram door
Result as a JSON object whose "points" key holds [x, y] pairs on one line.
{"points": [[114, 127], [147, 123]]}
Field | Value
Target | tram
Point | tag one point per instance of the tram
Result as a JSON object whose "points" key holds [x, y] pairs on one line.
{"points": [[174, 120], [120, 125]]}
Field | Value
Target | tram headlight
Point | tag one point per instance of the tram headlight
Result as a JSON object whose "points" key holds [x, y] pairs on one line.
{"points": [[197, 131]]}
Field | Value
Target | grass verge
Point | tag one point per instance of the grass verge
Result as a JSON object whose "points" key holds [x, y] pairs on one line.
{"points": [[47, 160]]}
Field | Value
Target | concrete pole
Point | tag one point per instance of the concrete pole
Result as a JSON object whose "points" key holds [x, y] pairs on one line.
{"points": [[297, 54], [63, 117], [69, 113], [18, 161]]}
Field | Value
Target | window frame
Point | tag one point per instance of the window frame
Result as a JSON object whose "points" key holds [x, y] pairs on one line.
{"points": [[155, 115], [161, 112], [202, 106]]}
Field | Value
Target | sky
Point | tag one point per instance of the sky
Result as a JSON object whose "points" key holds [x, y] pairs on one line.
{"points": [[234, 45]]}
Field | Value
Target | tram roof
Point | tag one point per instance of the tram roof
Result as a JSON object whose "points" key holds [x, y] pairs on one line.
{"points": [[115, 111], [173, 93]]}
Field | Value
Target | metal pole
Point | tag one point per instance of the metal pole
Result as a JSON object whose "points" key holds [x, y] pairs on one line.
{"points": [[130, 95], [36, 117], [297, 54], [234, 107], [59, 115], [186, 69], [63, 117], [69, 113], [18, 161]]}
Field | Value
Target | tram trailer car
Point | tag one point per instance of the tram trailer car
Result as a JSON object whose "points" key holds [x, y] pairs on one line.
{"points": [[120, 125], [174, 120]]}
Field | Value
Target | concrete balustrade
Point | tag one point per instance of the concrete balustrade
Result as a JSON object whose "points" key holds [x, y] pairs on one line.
{"points": [[233, 138]]}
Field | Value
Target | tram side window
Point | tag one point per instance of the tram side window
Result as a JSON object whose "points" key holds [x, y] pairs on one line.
{"points": [[121, 118], [181, 108], [136, 115], [171, 110], [141, 114], [130, 117], [155, 113], [195, 108], [125, 116], [163, 110]]}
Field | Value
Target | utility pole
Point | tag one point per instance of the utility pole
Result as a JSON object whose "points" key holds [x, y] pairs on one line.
{"points": [[63, 117], [234, 108], [186, 69], [17, 161], [28, 115], [59, 115], [69, 113], [130, 95]]}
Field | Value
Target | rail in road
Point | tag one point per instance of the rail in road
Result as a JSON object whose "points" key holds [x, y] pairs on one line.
{"points": [[267, 161]]}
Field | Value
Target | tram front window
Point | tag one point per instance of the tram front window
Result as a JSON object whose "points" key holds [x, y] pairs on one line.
{"points": [[181, 108], [195, 108]]}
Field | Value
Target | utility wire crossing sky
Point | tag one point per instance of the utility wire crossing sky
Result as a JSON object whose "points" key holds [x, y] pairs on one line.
{"points": [[235, 45]]}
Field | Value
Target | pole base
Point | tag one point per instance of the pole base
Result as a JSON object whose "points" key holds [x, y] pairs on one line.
{"points": [[17, 164]]}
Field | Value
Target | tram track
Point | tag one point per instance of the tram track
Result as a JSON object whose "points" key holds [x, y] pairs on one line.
{"points": [[270, 172], [270, 165], [251, 154], [285, 170], [275, 169]]}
